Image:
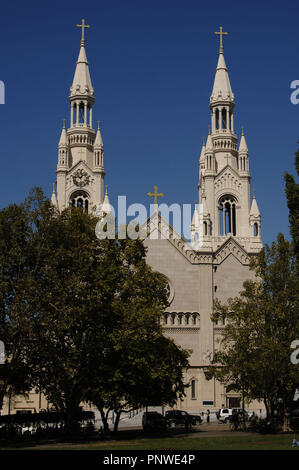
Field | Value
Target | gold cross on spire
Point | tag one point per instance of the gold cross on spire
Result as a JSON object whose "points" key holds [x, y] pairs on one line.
{"points": [[155, 195], [83, 26], [221, 33]]}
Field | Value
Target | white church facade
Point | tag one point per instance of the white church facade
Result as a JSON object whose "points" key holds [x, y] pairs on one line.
{"points": [[228, 233]]}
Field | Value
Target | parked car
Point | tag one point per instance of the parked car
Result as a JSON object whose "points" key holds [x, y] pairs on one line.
{"points": [[180, 417], [224, 414], [153, 421]]}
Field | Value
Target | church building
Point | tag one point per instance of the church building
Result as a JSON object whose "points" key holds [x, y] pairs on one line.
{"points": [[225, 230]]}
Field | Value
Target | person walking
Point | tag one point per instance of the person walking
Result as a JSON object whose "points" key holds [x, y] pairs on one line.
{"points": [[208, 416], [235, 419]]}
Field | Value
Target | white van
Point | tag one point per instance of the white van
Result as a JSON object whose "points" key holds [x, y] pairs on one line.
{"points": [[224, 414]]}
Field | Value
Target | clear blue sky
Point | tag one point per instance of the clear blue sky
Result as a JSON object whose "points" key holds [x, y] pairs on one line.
{"points": [[152, 65]]}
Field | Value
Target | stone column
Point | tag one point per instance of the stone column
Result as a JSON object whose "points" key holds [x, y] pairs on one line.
{"points": [[213, 121], [85, 114], [90, 118], [72, 114]]}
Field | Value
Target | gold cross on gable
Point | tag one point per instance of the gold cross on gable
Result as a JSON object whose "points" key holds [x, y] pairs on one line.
{"points": [[83, 26], [155, 195], [221, 33]]}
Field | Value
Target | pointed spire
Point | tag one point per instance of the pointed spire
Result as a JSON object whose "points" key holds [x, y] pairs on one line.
{"points": [[98, 140], [63, 136], [53, 197], [106, 207], [209, 144], [222, 89], [243, 146], [203, 149], [82, 81], [254, 211], [195, 219]]}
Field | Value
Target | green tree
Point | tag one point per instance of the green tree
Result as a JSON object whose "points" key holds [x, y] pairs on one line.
{"points": [[87, 312], [144, 367], [17, 263], [292, 194], [254, 353]]}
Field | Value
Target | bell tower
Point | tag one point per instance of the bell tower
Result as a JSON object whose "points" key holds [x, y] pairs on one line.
{"points": [[80, 168], [224, 176]]}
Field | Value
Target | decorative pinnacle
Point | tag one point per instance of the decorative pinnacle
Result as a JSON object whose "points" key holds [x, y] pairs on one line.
{"points": [[83, 26], [63, 124], [203, 140], [106, 193], [221, 33], [98, 125], [242, 130]]}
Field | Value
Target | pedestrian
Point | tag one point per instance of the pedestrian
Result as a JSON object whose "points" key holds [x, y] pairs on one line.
{"points": [[208, 416], [235, 419]]}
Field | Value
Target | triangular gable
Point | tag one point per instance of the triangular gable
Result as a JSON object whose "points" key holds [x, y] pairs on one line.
{"points": [[224, 170], [157, 223], [231, 246], [77, 165]]}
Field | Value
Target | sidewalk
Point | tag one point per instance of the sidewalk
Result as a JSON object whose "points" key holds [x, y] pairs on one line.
{"points": [[215, 430]]}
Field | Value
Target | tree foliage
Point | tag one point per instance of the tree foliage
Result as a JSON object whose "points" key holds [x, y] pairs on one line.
{"points": [[254, 353], [18, 264], [82, 316], [292, 194]]}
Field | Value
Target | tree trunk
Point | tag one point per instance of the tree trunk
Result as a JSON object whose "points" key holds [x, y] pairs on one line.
{"points": [[71, 423], [116, 422], [104, 417], [267, 407]]}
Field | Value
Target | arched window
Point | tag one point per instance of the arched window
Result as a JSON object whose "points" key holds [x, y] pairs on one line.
{"points": [[255, 229], [224, 122], [80, 199], [193, 389], [81, 112], [74, 116], [205, 228], [227, 215], [217, 118]]}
